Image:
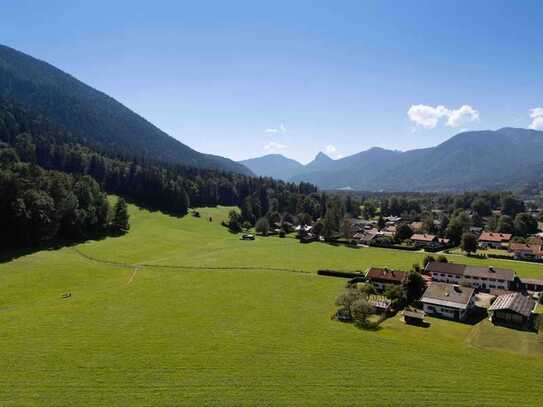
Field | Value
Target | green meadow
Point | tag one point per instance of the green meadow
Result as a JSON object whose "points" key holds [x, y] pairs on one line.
{"points": [[181, 312]]}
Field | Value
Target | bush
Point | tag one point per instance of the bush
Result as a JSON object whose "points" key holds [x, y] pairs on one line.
{"points": [[428, 259], [442, 259]]}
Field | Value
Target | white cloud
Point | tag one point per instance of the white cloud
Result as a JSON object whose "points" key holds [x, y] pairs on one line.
{"points": [[459, 117], [429, 116], [536, 112], [331, 150], [426, 116], [273, 146], [281, 129], [537, 115]]}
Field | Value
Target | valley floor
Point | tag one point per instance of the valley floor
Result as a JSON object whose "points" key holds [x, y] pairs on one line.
{"points": [[147, 324]]}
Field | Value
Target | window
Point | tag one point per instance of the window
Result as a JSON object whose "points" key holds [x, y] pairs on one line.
{"points": [[484, 278], [468, 277]]}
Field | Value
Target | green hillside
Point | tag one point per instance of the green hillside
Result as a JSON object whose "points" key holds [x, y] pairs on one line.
{"points": [[133, 333], [93, 116]]}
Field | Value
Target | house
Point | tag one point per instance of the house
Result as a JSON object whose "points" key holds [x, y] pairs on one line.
{"points": [[383, 278], [526, 251], [481, 278], [427, 241], [531, 285], [367, 236], [446, 272], [392, 220], [416, 227], [486, 278], [448, 301], [494, 240], [423, 240], [476, 230], [512, 310], [389, 231]]}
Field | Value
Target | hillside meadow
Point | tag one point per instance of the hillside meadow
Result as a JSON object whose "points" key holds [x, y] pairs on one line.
{"points": [[148, 324]]}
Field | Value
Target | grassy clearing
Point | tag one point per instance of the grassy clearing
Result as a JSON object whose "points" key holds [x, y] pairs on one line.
{"points": [[169, 336]]}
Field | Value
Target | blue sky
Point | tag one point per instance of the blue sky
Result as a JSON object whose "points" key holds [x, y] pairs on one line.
{"points": [[245, 78]]}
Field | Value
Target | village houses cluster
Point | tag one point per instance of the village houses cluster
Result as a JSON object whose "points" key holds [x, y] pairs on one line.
{"points": [[368, 232], [454, 291]]}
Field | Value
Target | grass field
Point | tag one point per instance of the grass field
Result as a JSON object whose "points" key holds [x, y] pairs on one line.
{"points": [[141, 335]]}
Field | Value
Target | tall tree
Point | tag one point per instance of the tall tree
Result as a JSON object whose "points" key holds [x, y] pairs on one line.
{"points": [[121, 222]]}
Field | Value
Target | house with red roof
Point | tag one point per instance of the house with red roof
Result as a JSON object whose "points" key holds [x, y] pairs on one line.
{"points": [[526, 250], [494, 240]]}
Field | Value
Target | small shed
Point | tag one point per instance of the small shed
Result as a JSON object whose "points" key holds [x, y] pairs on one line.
{"points": [[413, 316]]}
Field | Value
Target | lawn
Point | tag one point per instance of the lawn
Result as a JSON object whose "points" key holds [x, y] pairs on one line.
{"points": [[140, 335]]}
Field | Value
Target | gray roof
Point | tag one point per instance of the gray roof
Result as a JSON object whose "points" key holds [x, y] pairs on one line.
{"points": [[531, 281], [413, 313], [448, 295], [472, 271], [490, 272], [516, 302], [446, 268]]}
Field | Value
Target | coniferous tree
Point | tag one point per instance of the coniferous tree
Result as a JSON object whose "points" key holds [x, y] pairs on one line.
{"points": [[121, 218]]}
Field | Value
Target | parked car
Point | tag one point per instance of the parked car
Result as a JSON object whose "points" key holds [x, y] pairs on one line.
{"points": [[247, 236]]}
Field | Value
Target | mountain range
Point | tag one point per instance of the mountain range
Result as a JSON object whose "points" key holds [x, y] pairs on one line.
{"points": [[500, 159], [94, 116]]}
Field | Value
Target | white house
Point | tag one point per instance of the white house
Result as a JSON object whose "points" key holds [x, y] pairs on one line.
{"points": [[446, 272], [448, 301], [482, 278]]}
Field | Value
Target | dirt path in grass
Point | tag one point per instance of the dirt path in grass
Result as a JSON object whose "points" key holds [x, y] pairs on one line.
{"points": [[133, 275], [184, 267]]}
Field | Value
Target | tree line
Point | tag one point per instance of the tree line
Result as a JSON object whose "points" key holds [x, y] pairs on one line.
{"points": [[40, 206], [33, 150], [167, 187]]}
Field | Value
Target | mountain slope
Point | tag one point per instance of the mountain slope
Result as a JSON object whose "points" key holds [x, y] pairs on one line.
{"points": [[499, 159], [93, 115], [273, 165]]}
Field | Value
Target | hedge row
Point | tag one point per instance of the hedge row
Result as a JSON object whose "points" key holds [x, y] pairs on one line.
{"points": [[398, 247], [503, 256], [342, 274]]}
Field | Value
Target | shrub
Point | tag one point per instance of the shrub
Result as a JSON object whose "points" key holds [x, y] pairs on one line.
{"points": [[428, 259]]}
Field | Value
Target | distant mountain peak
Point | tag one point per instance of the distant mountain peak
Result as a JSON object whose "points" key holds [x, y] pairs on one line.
{"points": [[322, 157]]}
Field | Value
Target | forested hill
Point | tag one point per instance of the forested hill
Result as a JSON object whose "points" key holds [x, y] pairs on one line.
{"points": [[94, 116], [30, 143]]}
